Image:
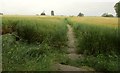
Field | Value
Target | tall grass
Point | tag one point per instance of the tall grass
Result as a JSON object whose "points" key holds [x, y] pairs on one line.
{"points": [[37, 29], [9, 24], [35, 44], [99, 40]]}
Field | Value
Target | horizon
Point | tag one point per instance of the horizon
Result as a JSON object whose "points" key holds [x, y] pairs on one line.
{"points": [[66, 8]]}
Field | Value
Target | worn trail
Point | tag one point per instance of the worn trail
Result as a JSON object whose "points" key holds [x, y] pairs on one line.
{"points": [[71, 53], [71, 44]]}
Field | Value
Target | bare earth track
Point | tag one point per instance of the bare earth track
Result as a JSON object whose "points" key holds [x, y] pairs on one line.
{"points": [[71, 52]]}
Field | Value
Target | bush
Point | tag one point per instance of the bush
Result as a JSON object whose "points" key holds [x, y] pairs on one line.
{"points": [[107, 15]]}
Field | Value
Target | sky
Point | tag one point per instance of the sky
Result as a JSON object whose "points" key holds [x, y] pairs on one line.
{"points": [[60, 7]]}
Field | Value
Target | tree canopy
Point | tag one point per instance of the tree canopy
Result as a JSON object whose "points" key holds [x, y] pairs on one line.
{"points": [[43, 13], [80, 14], [107, 15], [117, 9]]}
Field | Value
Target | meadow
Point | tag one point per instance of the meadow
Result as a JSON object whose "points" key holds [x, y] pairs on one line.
{"points": [[32, 43], [97, 39], [36, 43]]}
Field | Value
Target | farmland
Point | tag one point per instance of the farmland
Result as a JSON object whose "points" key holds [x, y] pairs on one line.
{"points": [[97, 39], [37, 43], [34, 42]]}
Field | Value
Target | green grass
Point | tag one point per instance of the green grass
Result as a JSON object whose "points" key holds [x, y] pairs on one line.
{"points": [[36, 43], [42, 42], [98, 42]]}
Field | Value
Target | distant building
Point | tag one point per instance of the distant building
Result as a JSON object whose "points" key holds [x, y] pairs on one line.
{"points": [[52, 13], [1, 13]]}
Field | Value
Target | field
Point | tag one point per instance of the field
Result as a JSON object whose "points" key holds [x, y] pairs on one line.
{"points": [[37, 43], [34, 42], [97, 39]]}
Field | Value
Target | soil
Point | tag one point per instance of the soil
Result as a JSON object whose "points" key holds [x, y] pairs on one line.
{"points": [[71, 53]]}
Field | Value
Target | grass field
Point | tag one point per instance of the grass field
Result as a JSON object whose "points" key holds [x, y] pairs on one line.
{"points": [[35, 43], [97, 39]]}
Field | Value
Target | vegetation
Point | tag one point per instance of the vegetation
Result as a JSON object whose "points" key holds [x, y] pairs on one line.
{"points": [[80, 14], [43, 13], [39, 46], [97, 40], [117, 9], [36, 43], [107, 15], [1, 13]]}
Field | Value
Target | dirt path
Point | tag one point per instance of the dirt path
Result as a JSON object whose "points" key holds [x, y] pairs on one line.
{"points": [[71, 44], [71, 40], [71, 53]]}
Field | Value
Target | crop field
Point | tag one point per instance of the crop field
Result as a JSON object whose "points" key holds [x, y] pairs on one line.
{"points": [[32, 43], [37, 43], [97, 39]]}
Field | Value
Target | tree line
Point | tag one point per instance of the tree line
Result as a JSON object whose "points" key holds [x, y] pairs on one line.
{"points": [[116, 7]]}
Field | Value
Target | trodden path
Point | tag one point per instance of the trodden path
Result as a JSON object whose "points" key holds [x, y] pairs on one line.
{"points": [[71, 44], [71, 52]]}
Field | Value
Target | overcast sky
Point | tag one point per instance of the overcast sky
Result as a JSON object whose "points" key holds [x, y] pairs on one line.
{"points": [[60, 7]]}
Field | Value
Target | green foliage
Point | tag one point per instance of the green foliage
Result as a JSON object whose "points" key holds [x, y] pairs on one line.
{"points": [[43, 13], [38, 29], [42, 42], [80, 14], [97, 39], [20, 56], [100, 62], [99, 44], [107, 15], [9, 24], [1, 13], [117, 9]]}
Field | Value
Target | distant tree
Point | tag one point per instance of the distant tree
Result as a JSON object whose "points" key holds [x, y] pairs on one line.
{"points": [[110, 15], [80, 14], [1, 13], [107, 15], [43, 13], [52, 13], [117, 9]]}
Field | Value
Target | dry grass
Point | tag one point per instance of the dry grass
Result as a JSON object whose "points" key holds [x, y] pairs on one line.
{"points": [[97, 21]]}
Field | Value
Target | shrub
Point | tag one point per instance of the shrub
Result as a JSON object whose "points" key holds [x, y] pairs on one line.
{"points": [[107, 15]]}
